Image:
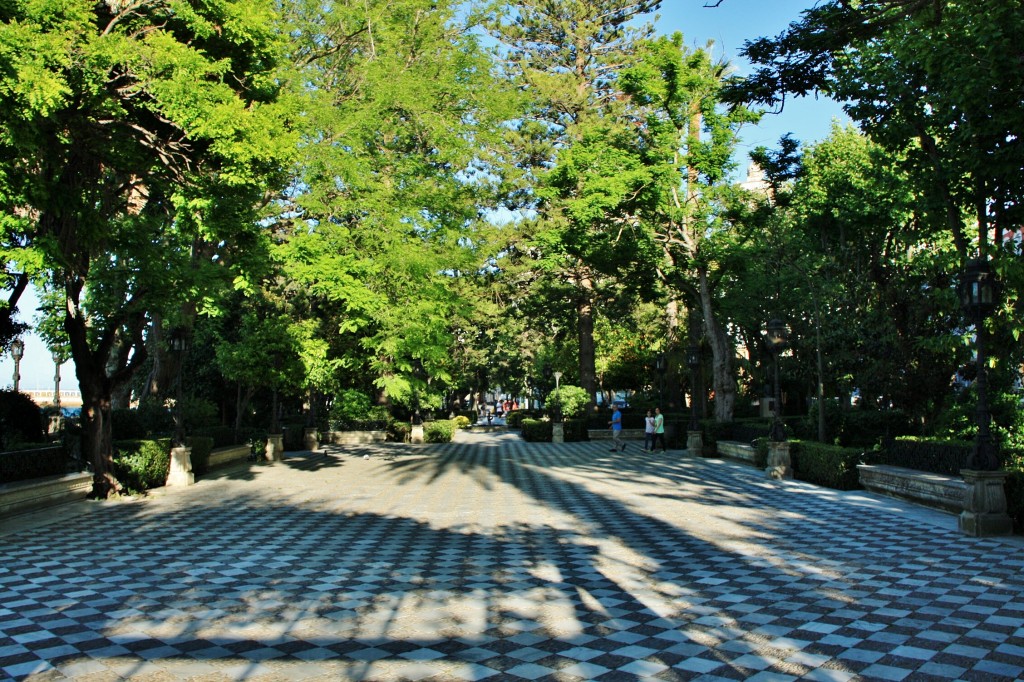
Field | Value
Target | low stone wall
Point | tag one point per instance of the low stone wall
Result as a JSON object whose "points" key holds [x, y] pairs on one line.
{"points": [[606, 434], [737, 450], [228, 455], [355, 437], [931, 490], [22, 496]]}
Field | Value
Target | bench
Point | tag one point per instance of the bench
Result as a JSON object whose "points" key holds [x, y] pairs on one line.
{"points": [[732, 449], [22, 496], [931, 490], [228, 455]]}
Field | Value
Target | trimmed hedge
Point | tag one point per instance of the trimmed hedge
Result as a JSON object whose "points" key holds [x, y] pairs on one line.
{"points": [[293, 432], [440, 431], [514, 419], [831, 466], [937, 457], [575, 430], [222, 436], [536, 431], [141, 465], [201, 448], [33, 462]]}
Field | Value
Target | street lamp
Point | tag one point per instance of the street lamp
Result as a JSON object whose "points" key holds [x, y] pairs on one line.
{"points": [[660, 364], [978, 297], [17, 352], [693, 362], [777, 338], [56, 379], [177, 343]]}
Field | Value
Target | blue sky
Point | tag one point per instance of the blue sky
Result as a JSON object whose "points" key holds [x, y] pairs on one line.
{"points": [[730, 25]]}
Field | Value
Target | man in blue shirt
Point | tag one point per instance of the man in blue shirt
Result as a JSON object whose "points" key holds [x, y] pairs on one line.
{"points": [[616, 423]]}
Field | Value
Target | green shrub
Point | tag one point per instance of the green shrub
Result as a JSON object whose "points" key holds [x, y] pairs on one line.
{"points": [[937, 457], [398, 432], [575, 430], [440, 431], [33, 461], [199, 413], [201, 448], [351, 405], [21, 420], [536, 431], [127, 424], [830, 466], [141, 465], [222, 436], [514, 419], [462, 422], [568, 401], [156, 417]]}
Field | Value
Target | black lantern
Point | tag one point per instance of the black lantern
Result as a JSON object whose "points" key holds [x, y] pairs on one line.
{"points": [[17, 352], [978, 292], [776, 339], [693, 362]]}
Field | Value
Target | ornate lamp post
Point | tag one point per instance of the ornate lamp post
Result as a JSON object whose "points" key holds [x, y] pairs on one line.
{"points": [[694, 435], [17, 352], [56, 379], [777, 338], [660, 365], [779, 462], [180, 472], [984, 511]]}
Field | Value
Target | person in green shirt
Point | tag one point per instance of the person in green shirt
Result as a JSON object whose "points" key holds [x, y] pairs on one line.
{"points": [[659, 430]]}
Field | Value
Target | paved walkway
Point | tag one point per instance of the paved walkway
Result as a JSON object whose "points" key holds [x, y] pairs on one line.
{"points": [[491, 558]]}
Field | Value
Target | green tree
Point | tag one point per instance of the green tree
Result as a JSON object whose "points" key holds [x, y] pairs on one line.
{"points": [[130, 133]]}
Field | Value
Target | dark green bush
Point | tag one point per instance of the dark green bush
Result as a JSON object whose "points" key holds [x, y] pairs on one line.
{"points": [[293, 433], [398, 432], [575, 430], [201, 448], [536, 431], [128, 425], [33, 462], [156, 418], [937, 457], [141, 465], [831, 466], [440, 431], [222, 436], [515, 418], [21, 420]]}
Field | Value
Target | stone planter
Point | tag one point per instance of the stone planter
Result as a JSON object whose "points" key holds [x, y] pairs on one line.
{"points": [[275, 447], [984, 513], [311, 439], [779, 463], [558, 432], [416, 435], [180, 472], [694, 443]]}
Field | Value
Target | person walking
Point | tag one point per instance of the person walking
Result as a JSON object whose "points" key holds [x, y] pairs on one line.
{"points": [[616, 423], [659, 429], [649, 432]]}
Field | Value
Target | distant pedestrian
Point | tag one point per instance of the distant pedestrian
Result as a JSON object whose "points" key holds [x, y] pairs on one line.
{"points": [[649, 432], [616, 424], [659, 429]]}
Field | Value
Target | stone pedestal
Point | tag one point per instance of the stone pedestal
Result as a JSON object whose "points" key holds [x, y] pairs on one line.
{"points": [[311, 438], [558, 432], [274, 451], [984, 513], [416, 435], [694, 443], [180, 472], [779, 464]]}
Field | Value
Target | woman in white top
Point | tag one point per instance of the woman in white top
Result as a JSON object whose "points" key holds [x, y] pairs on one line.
{"points": [[649, 432]]}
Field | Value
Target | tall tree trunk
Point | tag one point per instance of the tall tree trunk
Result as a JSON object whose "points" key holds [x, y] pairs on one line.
{"points": [[97, 433], [723, 380], [587, 358]]}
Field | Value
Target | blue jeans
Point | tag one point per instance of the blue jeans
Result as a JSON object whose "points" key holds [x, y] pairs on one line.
{"points": [[648, 440]]}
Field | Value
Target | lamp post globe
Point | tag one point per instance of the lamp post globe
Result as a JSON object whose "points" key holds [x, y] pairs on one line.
{"points": [[17, 352]]}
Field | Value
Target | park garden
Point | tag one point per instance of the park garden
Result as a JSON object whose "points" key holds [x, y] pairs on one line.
{"points": [[247, 219]]}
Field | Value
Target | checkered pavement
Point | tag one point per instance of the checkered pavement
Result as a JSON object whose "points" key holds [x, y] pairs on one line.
{"points": [[495, 559]]}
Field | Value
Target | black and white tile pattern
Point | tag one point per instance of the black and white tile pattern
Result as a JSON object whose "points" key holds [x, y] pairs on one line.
{"points": [[494, 559]]}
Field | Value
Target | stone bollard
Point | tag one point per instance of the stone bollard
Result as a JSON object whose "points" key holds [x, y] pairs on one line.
{"points": [[311, 438], [984, 513], [416, 435], [180, 472], [274, 451], [558, 432], [779, 464], [695, 443]]}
